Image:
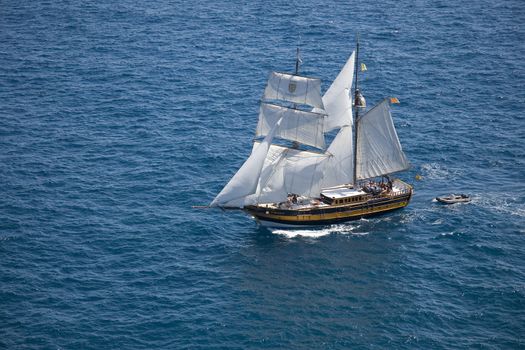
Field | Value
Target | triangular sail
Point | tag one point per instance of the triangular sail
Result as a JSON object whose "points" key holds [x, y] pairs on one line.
{"points": [[378, 149], [245, 181], [295, 89], [337, 101], [296, 125], [339, 168]]}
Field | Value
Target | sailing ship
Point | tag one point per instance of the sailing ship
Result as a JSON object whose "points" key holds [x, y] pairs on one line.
{"points": [[292, 178]]}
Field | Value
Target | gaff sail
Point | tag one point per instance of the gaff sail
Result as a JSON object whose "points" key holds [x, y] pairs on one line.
{"points": [[379, 151]]}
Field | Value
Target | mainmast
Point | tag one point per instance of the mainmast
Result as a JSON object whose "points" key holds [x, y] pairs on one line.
{"points": [[295, 144], [356, 110]]}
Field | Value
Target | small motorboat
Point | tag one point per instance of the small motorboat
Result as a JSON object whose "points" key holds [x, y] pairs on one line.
{"points": [[454, 198]]}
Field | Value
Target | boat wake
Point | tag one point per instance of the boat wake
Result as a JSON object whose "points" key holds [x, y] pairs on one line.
{"points": [[503, 204], [345, 229]]}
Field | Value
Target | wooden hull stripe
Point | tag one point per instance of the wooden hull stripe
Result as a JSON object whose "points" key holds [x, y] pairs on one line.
{"points": [[327, 221]]}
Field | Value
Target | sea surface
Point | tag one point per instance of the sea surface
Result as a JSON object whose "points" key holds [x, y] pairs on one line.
{"points": [[117, 117]]}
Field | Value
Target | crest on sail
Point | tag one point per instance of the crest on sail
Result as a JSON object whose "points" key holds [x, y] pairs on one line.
{"points": [[294, 88]]}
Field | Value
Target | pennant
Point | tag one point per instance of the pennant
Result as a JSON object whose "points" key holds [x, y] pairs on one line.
{"points": [[394, 100], [363, 67]]}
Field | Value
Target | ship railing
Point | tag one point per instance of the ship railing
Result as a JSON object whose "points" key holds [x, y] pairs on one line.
{"points": [[397, 193]]}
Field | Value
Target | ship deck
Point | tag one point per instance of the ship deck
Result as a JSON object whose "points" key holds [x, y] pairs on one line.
{"points": [[399, 188]]}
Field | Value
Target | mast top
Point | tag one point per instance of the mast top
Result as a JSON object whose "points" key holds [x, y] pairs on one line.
{"points": [[297, 62]]}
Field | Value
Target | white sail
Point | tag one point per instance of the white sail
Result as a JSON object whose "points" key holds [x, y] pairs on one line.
{"points": [[289, 171], [378, 149], [337, 101], [245, 181], [304, 173], [338, 168], [294, 88], [296, 125]]}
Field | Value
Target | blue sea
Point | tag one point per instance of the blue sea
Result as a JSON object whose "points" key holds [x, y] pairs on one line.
{"points": [[117, 117]]}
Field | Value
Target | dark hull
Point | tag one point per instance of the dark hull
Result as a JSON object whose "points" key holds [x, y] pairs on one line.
{"points": [[331, 214]]}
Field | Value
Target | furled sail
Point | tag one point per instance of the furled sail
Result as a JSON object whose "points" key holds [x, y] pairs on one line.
{"points": [[337, 101], [296, 125], [378, 149], [245, 181], [294, 88]]}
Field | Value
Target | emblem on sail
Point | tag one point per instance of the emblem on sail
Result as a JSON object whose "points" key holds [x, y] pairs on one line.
{"points": [[292, 86]]}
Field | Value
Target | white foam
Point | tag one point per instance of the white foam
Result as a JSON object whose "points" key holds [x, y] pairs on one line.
{"points": [[438, 222], [500, 203], [346, 229]]}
